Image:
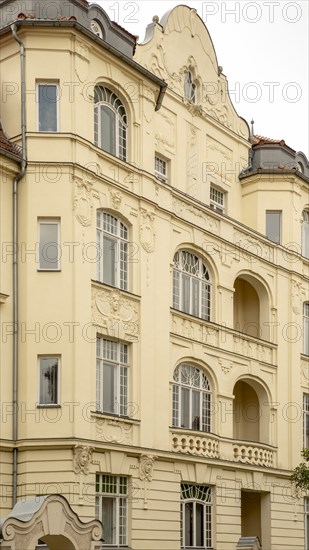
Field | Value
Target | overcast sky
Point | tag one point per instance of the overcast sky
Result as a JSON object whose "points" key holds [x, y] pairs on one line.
{"points": [[263, 48]]}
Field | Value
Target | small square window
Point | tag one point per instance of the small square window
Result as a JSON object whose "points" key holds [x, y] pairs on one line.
{"points": [[161, 169], [49, 380], [48, 100], [49, 247], [273, 225], [217, 199]]}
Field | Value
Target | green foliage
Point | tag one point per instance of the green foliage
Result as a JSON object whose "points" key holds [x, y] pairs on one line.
{"points": [[300, 476]]}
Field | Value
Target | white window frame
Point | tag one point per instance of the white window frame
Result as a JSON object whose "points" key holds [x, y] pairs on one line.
{"points": [[109, 487], [305, 233], [161, 175], [189, 381], [190, 87], [217, 199], [306, 328], [57, 85], [200, 282], [57, 358], [194, 496], [112, 229], [104, 96], [114, 356], [306, 421], [270, 237], [49, 221]]}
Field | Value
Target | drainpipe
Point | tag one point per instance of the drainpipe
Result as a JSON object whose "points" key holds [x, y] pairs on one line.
{"points": [[19, 176]]}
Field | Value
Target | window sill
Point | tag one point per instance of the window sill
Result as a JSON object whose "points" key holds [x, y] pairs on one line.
{"points": [[115, 418], [58, 270], [49, 406]]}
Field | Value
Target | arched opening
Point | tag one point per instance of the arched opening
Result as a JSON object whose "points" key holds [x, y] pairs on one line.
{"points": [[251, 307], [250, 412], [55, 542]]}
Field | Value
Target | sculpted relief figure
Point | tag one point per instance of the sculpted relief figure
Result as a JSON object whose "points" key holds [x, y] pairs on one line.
{"points": [[82, 459]]}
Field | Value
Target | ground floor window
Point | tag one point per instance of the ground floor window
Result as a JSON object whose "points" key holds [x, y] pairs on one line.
{"points": [[195, 516], [112, 508], [306, 503]]}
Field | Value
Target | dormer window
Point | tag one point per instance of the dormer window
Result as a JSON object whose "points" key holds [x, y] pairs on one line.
{"points": [[189, 88], [96, 28]]}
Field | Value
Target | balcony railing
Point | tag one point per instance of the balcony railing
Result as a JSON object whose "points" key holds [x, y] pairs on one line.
{"points": [[254, 453], [203, 445]]}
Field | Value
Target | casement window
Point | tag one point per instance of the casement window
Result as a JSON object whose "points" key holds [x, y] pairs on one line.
{"points": [[189, 88], [306, 328], [110, 122], [217, 200], [49, 252], [49, 380], [191, 398], [112, 244], [196, 516], [48, 106], [111, 506], [161, 169], [306, 507], [306, 421], [112, 377], [305, 234], [191, 285], [273, 225]]}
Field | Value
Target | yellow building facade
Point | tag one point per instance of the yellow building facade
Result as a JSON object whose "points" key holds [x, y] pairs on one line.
{"points": [[154, 294]]}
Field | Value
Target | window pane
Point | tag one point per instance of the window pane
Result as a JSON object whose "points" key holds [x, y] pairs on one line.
{"points": [[199, 524], [185, 293], [185, 408], [109, 520], [48, 381], [195, 410], [108, 130], [109, 260], [49, 247], [48, 107], [109, 389], [306, 334], [189, 524], [273, 226], [195, 297], [305, 235]]}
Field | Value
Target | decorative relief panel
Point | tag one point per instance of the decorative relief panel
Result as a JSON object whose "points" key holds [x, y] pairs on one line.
{"points": [[114, 431], [182, 208], [117, 315], [194, 330], [83, 200], [145, 473], [253, 349], [147, 230], [192, 161], [221, 160], [165, 133], [115, 199], [81, 60], [249, 246], [82, 459], [297, 297]]}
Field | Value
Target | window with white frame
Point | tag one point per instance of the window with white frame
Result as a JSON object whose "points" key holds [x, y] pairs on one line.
{"points": [[305, 234], [306, 506], [48, 106], [196, 516], [161, 169], [110, 122], [306, 328], [111, 505], [49, 252], [112, 377], [273, 225], [191, 398], [217, 199], [191, 285], [49, 380], [189, 87], [306, 421], [112, 244]]}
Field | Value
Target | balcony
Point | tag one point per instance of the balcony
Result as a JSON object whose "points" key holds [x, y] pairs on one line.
{"points": [[256, 454], [195, 444]]}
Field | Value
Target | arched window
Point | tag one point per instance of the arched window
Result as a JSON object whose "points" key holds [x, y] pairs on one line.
{"points": [[191, 285], [189, 88], [305, 234], [110, 122], [306, 328], [112, 243], [196, 516], [191, 398]]}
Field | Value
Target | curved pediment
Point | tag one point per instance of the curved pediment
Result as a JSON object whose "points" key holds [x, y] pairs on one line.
{"points": [[179, 43]]}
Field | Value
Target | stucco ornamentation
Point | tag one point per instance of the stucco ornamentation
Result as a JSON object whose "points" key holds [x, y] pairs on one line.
{"points": [[166, 135], [147, 230], [226, 366], [82, 459], [82, 61], [297, 296], [146, 467], [116, 314], [181, 208], [114, 431], [116, 199], [83, 201]]}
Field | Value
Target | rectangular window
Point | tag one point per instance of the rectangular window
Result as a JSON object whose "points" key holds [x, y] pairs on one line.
{"points": [[216, 200], [195, 517], [112, 508], [48, 100], [273, 225], [306, 421], [49, 247], [306, 328], [49, 380], [161, 169], [306, 505], [112, 377]]}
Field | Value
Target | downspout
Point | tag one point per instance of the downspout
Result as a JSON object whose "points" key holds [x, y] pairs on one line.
{"points": [[19, 176]]}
